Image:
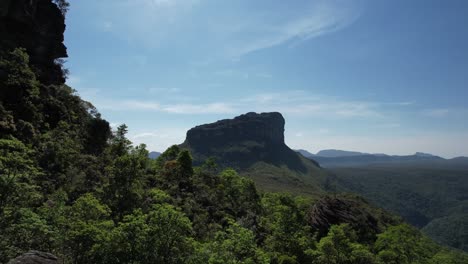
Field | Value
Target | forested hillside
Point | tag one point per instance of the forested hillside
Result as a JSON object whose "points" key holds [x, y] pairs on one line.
{"points": [[430, 196], [71, 186]]}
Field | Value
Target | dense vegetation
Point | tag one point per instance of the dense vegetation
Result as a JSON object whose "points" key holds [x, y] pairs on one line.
{"points": [[430, 196], [71, 186]]}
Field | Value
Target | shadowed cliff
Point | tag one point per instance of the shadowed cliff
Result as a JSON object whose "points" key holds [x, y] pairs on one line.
{"points": [[37, 26], [243, 141], [254, 144]]}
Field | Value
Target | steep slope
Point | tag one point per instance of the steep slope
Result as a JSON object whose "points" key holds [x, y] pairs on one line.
{"points": [[38, 27], [430, 196], [254, 144]]}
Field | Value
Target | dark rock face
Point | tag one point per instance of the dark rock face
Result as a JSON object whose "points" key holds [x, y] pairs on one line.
{"points": [[264, 127], [242, 141], [330, 211], [35, 257], [37, 26]]}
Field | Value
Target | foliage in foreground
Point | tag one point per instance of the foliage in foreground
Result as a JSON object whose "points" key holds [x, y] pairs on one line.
{"points": [[70, 186]]}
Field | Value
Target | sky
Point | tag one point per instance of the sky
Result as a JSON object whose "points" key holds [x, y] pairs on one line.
{"points": [[365, 75]]}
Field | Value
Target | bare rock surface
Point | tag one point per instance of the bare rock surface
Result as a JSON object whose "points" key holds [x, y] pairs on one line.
{"points": [[35, 257]]}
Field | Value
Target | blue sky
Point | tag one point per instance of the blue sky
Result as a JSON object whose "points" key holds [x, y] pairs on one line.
{"points": [[372, 76]]}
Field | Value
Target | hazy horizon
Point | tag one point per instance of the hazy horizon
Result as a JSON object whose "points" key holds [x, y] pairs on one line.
{"points": [[370, 76]]}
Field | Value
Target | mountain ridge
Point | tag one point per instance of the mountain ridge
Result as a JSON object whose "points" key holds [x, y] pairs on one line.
{"points": [[353, 159]]}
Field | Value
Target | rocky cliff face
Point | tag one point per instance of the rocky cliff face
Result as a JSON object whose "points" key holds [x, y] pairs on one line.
{"points": [[263, 128], [37, 26], [242, 141], [356, 212]]}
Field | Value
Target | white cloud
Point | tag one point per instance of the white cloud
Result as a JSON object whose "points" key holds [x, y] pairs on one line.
{"points": [[158, 140], [439, 112], [302, 103], [312, 20], [139, 105], [211, 108], [163, 90], [226, 29], [297, 103], [189, 109], [264, 75]]}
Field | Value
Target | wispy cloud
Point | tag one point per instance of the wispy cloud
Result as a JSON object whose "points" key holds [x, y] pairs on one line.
{"points": [[139, 105], [294, 103], [164, 90], [236, 28], [211, 108], [439, 112], [314, 19], [302, 103], [151, 106], [160, 139]]}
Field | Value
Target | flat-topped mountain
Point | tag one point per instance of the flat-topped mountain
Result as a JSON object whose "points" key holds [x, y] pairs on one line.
{"points": [[264, 127], [253, 144], [243, 140]]}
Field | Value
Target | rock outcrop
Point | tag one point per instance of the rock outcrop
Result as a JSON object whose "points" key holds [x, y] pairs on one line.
{"points": [[242, 141], [35, 257], [37, 26], [264, 127], [330, 211]]}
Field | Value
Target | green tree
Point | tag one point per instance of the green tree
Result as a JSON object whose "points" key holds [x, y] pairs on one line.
{"points": [[89, 226], [287, 235], [340, 247], [23, 231], [17, 175], [160, 236], [168, 236], [127, 177], [233, 245], [20, 92], [403, 244], [240, 197]]}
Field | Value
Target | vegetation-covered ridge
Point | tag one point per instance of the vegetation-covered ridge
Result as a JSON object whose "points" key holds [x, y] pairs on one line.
{"points": [[432, 196], [72, 187]]}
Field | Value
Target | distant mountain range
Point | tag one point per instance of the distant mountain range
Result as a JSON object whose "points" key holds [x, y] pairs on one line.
{"points": [[341, 158], [154, 154]]}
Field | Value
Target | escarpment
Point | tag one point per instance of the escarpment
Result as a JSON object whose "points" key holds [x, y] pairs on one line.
{"points": [[243, 141], [38, 27]]}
